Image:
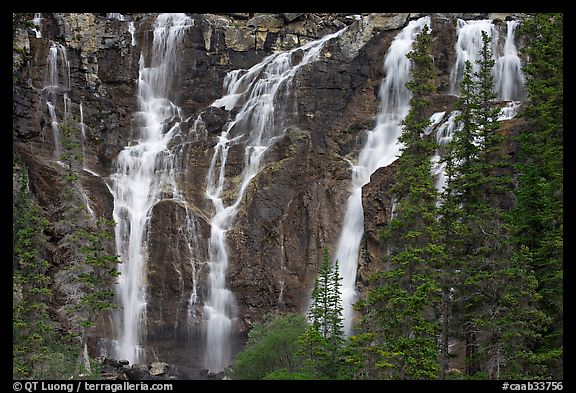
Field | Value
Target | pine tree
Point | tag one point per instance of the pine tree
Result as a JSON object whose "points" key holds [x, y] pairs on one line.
{"points": [[401, 310], [451, 236], [538, 215], [323, 341], [495, 287]]}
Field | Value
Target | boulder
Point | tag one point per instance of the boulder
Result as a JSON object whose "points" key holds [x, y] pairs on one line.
{"points": [[137, 372], [266, 22], [239, 39], [388, 21], [159, 368], [289, 17]]}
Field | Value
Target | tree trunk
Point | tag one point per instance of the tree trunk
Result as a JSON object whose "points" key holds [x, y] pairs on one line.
{"points": [[444, 347]]}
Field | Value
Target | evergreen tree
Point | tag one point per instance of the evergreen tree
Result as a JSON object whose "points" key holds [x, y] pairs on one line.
{"points": [[400, 311], [495, 290], [32, 327], [538, 215], [91, 266], [323, 341], [451, 236]]}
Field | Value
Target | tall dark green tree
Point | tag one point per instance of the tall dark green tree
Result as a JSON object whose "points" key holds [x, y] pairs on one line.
{"points": [[323, 342], [400, 311], [495, 288], [538, 215]]}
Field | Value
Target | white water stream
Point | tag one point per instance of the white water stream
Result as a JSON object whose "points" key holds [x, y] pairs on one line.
{"points": [[381, 149], [57, 82], [144, 174], [262, 91]]}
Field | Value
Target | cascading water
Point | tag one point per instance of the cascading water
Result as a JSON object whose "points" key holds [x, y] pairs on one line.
{"points": [[132, 31], [263, 91], [509, 78], [508, 75], [381, 149], [83, 132], [37, 22], [57, 82], [144, 175], [468, 47], [443, 137], [115, 15]]}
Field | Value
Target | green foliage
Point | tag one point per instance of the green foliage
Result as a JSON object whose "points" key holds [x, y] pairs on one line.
{"points": [[271, 350], [538, 214], [290, 347], [399, 312], [288, 375], [31, 324], [39, 350], [326, 311], [495, 289], [323, 341]]}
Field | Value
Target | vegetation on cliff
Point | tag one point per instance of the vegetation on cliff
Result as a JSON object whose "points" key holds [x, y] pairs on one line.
{"points": [[484, 264], [478, 264]]}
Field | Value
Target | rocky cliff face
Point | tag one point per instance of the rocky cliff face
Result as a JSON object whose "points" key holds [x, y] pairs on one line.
{"points": [[292, 208]]}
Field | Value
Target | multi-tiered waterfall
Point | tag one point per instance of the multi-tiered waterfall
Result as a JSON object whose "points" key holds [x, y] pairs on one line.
{"points": [[381, 149], [508, 76], [264, 92], [144, 174], [507, 72], [57, 84]]}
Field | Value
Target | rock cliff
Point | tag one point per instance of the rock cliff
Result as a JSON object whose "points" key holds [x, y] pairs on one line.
{"points": [[294, 205]]}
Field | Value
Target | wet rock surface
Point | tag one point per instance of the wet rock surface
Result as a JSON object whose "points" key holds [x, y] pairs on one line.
{"points": [[292, 208], [122, 370]]}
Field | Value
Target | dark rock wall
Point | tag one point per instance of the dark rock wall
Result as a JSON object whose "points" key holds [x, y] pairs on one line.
{"points": [[293, 207]]}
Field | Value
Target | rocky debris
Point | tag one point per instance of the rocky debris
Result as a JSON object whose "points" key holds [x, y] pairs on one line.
{"points": [[121, 370]]}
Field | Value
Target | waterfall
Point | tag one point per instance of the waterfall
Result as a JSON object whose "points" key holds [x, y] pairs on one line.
{"points": [[263, 91], [57, 82], [115, 15], [381, 149], [83, 132], [132, 31], [37, 21], [468, 47], [144, 175], [509, 78], [443, 136], [508, 75]]}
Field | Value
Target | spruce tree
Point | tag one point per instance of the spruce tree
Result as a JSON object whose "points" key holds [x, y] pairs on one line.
{"points": [[323, 341], [495, 289], [400, 311], [538, 215]]}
